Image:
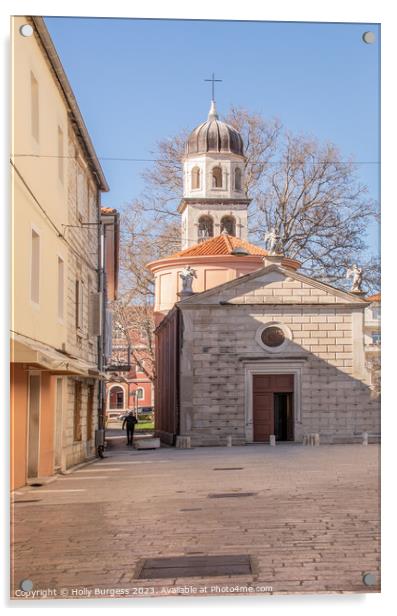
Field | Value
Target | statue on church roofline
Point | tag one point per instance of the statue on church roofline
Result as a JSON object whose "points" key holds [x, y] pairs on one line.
{"points": [[356, 273], [187, 275], [273, 242]]}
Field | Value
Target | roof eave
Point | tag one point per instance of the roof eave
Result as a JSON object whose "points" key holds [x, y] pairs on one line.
{"points": [[65, 86]]}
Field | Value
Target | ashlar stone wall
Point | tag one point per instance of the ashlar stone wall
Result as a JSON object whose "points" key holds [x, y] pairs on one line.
{"points": [[220, 349], [82, 265]]}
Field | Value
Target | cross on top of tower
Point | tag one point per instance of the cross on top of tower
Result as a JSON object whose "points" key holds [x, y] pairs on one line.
{"points": [[213, 80]]}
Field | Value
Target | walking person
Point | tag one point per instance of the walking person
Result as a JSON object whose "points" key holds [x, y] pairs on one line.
{"points": [[129, 422]]}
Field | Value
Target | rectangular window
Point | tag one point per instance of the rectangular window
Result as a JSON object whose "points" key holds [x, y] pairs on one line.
{"points": [[34, 106], [35, 268], [60, 154], [79, 304], [82, 193], [61, 287], [375, 337], [77, 411]]}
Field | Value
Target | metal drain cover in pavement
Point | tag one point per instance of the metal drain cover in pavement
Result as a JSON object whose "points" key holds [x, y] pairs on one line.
{"points": [[195, 566], [229, 468], [232, 494]]}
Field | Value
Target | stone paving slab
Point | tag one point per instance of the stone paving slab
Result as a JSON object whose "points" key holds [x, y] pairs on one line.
{"points": [[312, 526]]}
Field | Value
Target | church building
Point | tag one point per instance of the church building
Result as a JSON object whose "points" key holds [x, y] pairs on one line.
{"points": [[247, 347]]}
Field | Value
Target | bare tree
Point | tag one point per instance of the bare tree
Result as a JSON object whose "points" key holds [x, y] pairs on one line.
{"points": [[320, 210], [143, 240], [371, 274], [260, 139], [164, 180], [302, 188], [134, 324]]}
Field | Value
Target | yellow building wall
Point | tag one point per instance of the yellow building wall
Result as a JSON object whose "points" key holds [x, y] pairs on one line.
{"points": [[40, 198]]}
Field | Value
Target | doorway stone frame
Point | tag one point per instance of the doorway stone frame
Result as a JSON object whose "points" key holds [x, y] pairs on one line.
{"points": [[278, 366]]}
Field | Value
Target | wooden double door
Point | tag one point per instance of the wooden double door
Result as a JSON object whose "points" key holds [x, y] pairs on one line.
{"points": [[273, 410]]}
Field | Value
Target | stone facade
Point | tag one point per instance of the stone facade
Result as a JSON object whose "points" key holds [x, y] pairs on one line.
{"points": [[324, 350], [83, 259], [193, 209]]}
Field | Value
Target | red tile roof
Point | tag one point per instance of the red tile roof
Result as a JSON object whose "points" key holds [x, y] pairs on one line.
{"points": [[373, 298], [220, 245]]}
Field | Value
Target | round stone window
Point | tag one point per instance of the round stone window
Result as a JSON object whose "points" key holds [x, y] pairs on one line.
{"points": [[273, 336]]}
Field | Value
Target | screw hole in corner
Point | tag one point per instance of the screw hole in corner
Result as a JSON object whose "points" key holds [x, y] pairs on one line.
{"points": [[26, 30]]}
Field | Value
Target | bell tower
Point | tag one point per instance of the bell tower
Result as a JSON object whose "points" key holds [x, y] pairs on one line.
{"points": [[214, 195]]}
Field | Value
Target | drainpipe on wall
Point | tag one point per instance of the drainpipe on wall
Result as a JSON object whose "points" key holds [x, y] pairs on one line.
{"points": [[101, 338]]}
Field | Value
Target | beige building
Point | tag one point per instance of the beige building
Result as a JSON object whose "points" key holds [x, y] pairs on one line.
{"points": [[58, 297], [372, 339]]}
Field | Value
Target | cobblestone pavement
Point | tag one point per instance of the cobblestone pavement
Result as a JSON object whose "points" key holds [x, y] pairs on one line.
{"points": [[312, 526]]}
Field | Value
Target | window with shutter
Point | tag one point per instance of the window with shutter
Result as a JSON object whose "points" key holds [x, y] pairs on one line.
{"points": [[95, 314], [79, 304]]}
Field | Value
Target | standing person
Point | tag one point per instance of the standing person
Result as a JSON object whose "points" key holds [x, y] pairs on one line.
{"points": [[129, 422]]}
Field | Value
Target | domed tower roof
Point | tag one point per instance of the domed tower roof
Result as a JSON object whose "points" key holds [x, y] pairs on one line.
{"points": [[214, 136]]}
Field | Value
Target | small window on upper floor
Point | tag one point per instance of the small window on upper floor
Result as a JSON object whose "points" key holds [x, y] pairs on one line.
{"points": [[82, 192], [237, 178], [92, 204], [79, 304], [217, 177], [195, 177], [375, 337]]}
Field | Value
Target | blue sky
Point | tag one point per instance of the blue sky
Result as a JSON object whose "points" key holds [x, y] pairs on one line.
{"points": [[138, 81]]}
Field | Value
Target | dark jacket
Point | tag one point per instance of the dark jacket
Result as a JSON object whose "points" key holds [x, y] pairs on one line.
{"points": [[130, 420]]}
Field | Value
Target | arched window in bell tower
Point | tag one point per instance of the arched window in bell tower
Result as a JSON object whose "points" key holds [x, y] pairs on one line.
{"points": [[228, 224], [217, 177], [205, 228], [195, 177], [237, 178]]}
